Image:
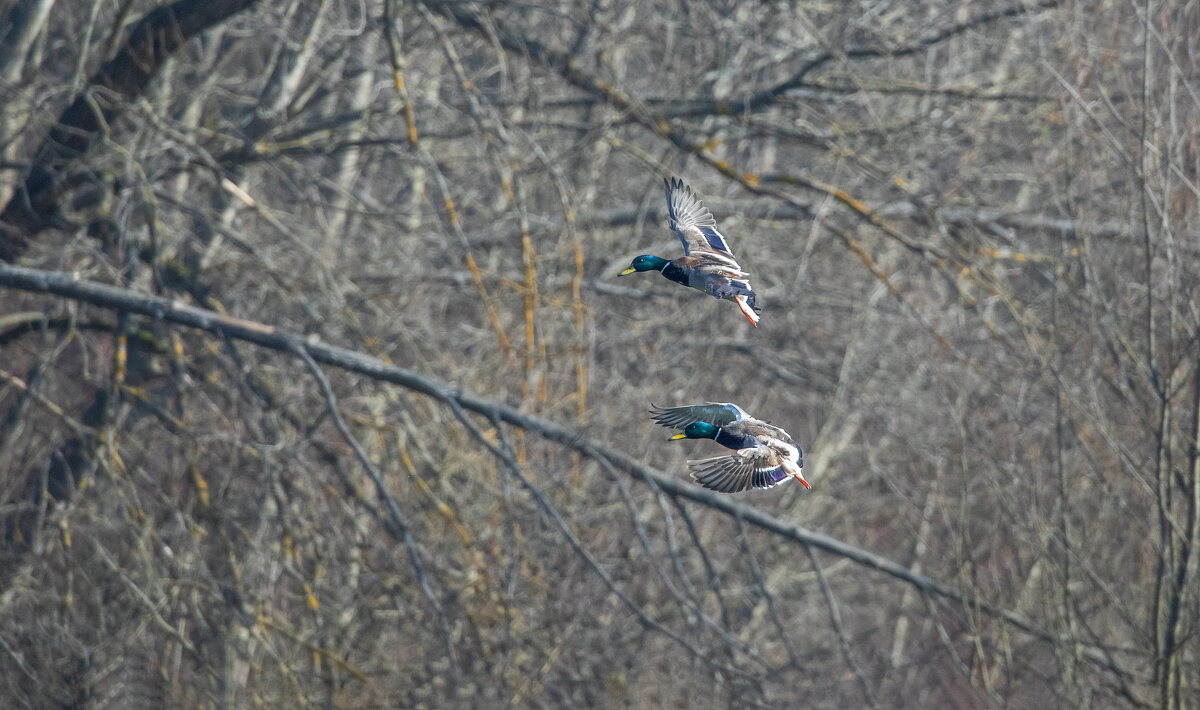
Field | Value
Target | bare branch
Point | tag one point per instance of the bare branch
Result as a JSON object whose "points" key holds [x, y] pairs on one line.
{"points": [[62, 284]]}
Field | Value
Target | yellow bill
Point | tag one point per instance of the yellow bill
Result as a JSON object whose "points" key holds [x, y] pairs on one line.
{"points": [[678, 436], [630, 270]]}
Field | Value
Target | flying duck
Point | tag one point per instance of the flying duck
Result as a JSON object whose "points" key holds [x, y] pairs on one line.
{"points": [[707, 264], [764, 455]]}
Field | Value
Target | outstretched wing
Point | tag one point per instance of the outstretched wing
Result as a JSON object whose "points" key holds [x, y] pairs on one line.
{"points": [[694, 224], [759, 467], [715, 413]]}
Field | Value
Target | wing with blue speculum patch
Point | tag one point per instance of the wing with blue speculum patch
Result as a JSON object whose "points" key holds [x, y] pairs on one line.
{"points": [[716, 413], [749, 468], [715, 239], [693, 223], [769, 479]]}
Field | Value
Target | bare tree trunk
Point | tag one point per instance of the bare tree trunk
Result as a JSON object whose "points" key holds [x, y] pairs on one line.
{"points": [[290, 61], [151, 40], [349, 167], [24, 21]]}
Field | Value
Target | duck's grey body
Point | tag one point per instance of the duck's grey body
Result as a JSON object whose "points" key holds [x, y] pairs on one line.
{"points": [[709, 276]]}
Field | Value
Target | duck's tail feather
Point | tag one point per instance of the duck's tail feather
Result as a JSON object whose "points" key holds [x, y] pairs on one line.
{"points": [[741, 287]]}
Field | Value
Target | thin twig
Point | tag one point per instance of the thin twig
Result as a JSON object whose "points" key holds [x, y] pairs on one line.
{"points": [[835, 620], [400, 528], [761, 581]]}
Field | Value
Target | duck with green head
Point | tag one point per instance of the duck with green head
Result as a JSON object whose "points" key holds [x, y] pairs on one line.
{"points": [[707, 263], [764, 455]]}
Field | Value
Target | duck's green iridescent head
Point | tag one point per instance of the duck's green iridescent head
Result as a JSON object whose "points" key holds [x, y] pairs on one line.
{"points": [[698, 430], [645, 262]]}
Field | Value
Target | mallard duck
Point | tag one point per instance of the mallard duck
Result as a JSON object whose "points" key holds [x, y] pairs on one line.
{"points": [[707, 264], [764, 456]]}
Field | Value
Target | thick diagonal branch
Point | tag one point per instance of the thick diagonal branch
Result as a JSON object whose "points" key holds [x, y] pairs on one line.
{"points": [[66, 285]]}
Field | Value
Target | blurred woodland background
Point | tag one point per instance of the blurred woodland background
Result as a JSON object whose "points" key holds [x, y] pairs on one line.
{"points": [[973, 226]]}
